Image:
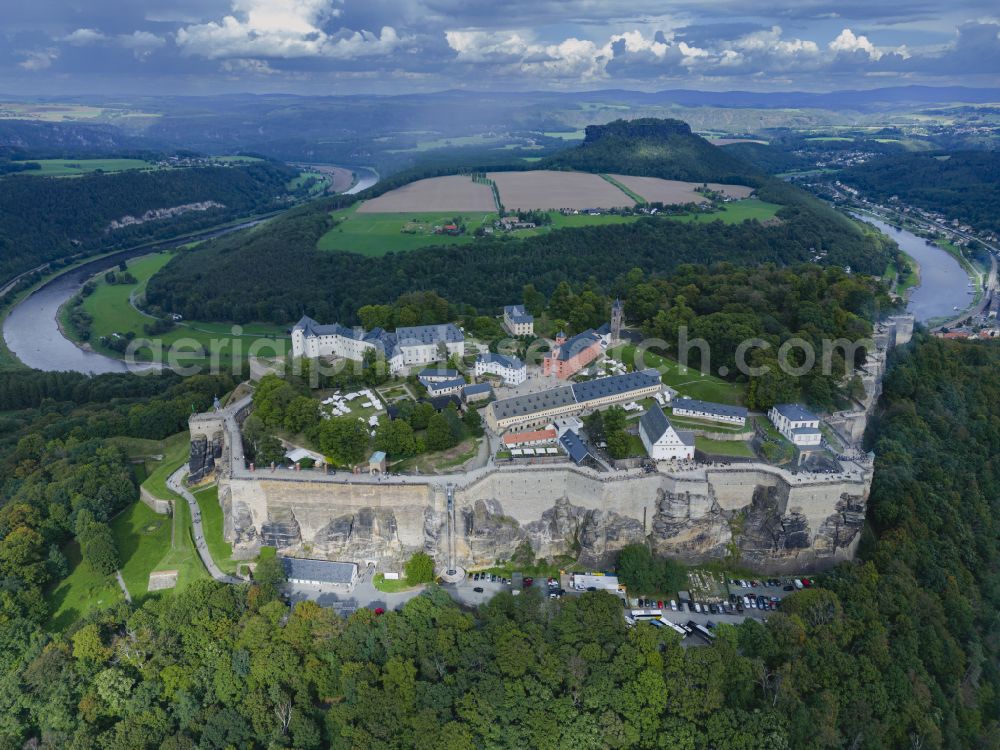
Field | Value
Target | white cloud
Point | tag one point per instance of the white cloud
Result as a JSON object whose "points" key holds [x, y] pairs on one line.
{"points": [[848, 42], [283, 29], [141, 43], [38, 59], [83, 36]]}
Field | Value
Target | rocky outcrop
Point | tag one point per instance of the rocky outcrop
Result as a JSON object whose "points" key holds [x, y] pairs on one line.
{"points": [[367, 534], [690, 525]]}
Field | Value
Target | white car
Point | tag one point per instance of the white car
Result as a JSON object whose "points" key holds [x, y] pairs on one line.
{"points": [[798, 583], [673, 605]]}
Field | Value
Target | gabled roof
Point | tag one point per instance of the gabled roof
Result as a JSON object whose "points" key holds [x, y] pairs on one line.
{"points": [[573, 346], [795, 413], [323, 571], [615, 385], [515, 438], [443, 385], [438, 372], [518, 314], [574, 446], [529, 403], [503, 360], [654, 423], [446, 332], [709, 407], [475, 388]]}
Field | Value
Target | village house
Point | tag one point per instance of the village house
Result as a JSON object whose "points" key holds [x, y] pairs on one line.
{"points": [[662, 441], [510, 369], [797, 424]]}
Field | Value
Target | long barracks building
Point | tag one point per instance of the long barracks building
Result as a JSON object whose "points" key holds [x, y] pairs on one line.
{"points": [[535, 410]]}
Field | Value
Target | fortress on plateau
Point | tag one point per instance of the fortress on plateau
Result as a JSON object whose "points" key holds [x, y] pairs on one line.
{"points": [[769, 518]]}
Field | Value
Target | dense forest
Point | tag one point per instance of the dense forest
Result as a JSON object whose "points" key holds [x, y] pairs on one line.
{"points": [[898, 649], [45, 219], [963, 185], [726, 305]]}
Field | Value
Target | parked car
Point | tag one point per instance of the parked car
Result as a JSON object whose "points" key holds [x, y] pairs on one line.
{"points": [[659, 605], [528, 582], [798, 584], [789, 588], [806, 582], [478, 589], [739, 607], [673, 605]]}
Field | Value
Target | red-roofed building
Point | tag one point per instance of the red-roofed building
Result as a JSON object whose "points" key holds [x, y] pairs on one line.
{"points": [[534, 437]]}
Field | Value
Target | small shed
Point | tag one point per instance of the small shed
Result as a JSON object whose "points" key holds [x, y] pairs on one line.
{"points": [[377, 463]]}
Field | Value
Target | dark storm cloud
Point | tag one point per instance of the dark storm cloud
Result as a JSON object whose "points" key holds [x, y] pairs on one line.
{"points": [[526, 43]]}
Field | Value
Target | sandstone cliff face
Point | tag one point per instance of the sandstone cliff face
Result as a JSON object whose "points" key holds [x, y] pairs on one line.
{"points": [[755, 515], [689, 525]]}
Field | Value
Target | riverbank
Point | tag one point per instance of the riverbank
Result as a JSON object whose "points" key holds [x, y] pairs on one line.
{"points": [[31, 336]]}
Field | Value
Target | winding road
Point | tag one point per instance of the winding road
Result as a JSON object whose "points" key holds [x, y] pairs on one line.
{"points": [[176, 483]]}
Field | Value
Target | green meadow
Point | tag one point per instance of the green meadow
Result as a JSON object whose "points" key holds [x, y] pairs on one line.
{"points": [[375, 235], [68, 167], [736, 212], [110, 306]]}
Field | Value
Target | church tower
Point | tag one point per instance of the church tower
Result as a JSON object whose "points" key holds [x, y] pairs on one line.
{"points": [[617, 320]]}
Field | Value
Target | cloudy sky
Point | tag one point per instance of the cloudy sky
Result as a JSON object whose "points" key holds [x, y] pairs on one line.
{"points": [[394, 46]]}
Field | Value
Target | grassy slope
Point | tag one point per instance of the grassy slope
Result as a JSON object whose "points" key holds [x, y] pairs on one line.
{"points": [[211, 519], [81, 591], [112, 312], [688, 381]]}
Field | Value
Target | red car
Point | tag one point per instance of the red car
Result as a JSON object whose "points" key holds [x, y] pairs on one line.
{"points": [[379, 611], [659, 605], [528, 581], [806, 582]]}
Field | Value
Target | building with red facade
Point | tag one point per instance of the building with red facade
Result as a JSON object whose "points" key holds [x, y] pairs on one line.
{"points": [[569, 356]]}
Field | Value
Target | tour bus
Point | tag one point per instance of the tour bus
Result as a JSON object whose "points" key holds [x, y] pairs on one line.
{"points": [[673, 626], [646, 614], [704, 632]]}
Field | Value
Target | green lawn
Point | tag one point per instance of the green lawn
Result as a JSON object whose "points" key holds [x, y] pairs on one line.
{"points": [[688, 423], [148, 541], [112, 312], [176, 449], [635, 447], [390, 587], [375, 235], [736, 212], [65, 167], [724, 447], [211, 519], [81, 591], [687, 380]]}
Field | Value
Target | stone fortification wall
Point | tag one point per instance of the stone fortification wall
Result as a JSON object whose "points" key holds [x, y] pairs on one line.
{"points": [[771, 519]]}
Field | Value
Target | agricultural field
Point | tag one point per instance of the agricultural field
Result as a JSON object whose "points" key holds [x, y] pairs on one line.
{"points": [[453, 193], [654, 189], [70, 167], [375, 234], [544, 189], [112, 310], [734, 213]]}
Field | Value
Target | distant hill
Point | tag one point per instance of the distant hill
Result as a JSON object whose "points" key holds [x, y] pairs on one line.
{"points": [[651, 147], [49, 218]]}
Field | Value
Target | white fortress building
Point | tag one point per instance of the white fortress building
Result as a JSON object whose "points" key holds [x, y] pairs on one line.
{"points": [[662, 441], [405, 348], [510, 369], [796, 423]]}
